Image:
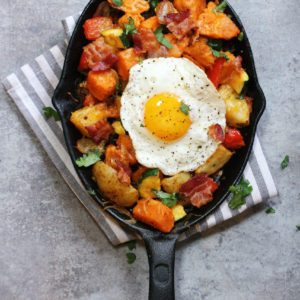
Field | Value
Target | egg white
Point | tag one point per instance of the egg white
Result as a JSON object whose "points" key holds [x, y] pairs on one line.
{"points": [[181, 77]]}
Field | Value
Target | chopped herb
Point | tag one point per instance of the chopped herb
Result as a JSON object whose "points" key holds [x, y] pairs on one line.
{"points": [[131, 257], [151, 172], [221, 7], [118, 88], [50, 112], [215, 44], [88, 159], [285, 162], [125, 40], [217, 53], [130, 27], [240, 125], [270, 210], [117, 2], [131, 245], [229, 16], [298, 227], [161, 39], [153, 4], [91, 192], [142, 125], [242, 97], [241, 36], [240, 192], [185, 108], [214, 165], [141, 59], [169, 200]]}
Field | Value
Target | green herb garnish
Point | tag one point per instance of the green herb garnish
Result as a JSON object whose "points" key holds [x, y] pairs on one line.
{"points": [[153, 4], [141, 59], [240, 192], [161, 39], [285, 162], [125, 40], [130, 27], [151, 172], [298, 227], [215, 44], [50, 112], [221, 7], [142, 125], [270, 210], [91, 192], [88, 159], [217, 53], [169, 200], [118, 2], [241, 36], [184, 108], [131, 257], [118, 88], [131, 245]]}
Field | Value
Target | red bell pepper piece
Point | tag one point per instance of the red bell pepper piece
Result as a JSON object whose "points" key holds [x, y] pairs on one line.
{"points": [[233, 139], [94, 26], [83, 64], [215, 73]]}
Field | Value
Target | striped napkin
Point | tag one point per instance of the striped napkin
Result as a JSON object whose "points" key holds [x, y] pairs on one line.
{"points": [[32, 87]]}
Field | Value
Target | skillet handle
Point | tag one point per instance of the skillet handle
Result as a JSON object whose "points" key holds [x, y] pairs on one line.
{"points": [[161, 256]]}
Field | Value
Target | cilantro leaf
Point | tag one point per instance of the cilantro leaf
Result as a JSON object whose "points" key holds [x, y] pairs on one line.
{"points": [[142, 125], [130, 27], [150, 172], [141, 59], [125, 40], [88, 159], [50, 112], [153, 4], [240, 36], [118, 88], [169, 200], [91, 192], [215, 44], [285, 162], [117, 2], [298, 227], [240, 192], [184, 108], [217, 53], [131, 257], [221, 7], [131, 245], [161, 39], [270, 210]]}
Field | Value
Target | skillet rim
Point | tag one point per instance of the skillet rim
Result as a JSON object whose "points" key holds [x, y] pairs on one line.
{"points": [[140, 227]]}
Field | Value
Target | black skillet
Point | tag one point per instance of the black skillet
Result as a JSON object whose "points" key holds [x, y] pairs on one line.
{"points": [[160, 246]]}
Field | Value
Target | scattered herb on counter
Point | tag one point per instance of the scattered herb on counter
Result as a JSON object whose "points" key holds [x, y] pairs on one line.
{"points": [[130, 27], [161, 39], [131, 245], [88, 159], [240, 192], [131, 257], [298, 227], [50, 112], [270, 210], [221, 7], [118, 2], [151, 172], [241, 36], [218, 54], [285, 162], [185, 108], [169, 200], [91, 192]]}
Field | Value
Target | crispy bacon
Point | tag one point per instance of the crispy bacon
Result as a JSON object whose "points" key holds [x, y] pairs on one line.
{"points": [[100, 130], [89, 100], [216, 132], [199, 189], [124, 143], [180, 23], [145, 41], [163, 9], [124, 172], [99, 55]]}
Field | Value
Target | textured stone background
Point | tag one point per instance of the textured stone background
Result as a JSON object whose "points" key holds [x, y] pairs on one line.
{"points": [[51, 249]]}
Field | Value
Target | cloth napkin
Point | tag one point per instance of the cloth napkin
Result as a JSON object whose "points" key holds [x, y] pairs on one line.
{"points": [[31, 88]]}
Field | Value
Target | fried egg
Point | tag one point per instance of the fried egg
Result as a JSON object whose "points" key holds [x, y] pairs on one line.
{"points": [[167, 108]]}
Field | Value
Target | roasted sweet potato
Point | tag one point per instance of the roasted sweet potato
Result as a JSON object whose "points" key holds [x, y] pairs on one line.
{"points": [[201, 52], [173, 184], [137, 19], [94, 26], [150, 23], [102, 84], [155, 214], [109, 184], [216, 25], [132, 6], [216, 161], [178, 46], [196, 7], [127, 59]]}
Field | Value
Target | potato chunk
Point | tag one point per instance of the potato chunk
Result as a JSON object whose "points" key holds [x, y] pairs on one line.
{"points": [[112, 37], [146, 186], [237, 110], [216, 161], [172, 184], [109, 184], [178, 212]]}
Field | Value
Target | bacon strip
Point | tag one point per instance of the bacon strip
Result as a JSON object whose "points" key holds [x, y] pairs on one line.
{"points": [[163, 9], [100, 130], [124, 172], [216, 132], [199, 189]]}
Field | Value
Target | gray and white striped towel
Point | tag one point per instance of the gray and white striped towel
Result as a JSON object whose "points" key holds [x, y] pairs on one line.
{"points": [[32, 87]]}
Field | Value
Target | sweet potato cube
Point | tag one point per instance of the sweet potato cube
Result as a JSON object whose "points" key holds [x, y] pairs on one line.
{"points": [[127, 59]]}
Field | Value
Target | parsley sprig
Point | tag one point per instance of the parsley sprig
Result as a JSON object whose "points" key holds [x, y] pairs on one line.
{"points": [[169, 200], [184, 108], [131, 257], [118, 2], [130, 29], [285, 162], [270, 210], [221, 7], [150, 172], [217, 53], [161, 39], [240, 192], [88, 159], [50, 112]]}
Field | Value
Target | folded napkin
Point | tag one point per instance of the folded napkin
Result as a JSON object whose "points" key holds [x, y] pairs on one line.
{"points": [[32, 87]]}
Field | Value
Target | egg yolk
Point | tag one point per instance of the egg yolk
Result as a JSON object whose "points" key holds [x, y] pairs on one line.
{"points": [[164, 118]]}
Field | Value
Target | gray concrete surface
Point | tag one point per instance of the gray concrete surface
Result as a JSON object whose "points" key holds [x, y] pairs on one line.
{"points": [[51, 249]]}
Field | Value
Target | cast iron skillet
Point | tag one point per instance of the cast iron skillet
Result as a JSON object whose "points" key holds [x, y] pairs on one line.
{"points": [[160, 246]]}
